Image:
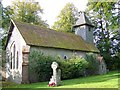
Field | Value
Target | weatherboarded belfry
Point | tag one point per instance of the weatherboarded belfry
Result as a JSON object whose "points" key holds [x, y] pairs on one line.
{"points": [[23, 38], [84, 28]]}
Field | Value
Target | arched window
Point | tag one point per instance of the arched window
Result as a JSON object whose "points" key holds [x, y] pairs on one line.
{"points": [[11, 61], [17, 63], [14, 57]]}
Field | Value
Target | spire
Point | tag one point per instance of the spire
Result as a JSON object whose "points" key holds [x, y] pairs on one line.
{"points": [[83, 20]]}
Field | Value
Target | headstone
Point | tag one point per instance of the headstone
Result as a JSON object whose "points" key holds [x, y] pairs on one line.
{"points": [[56, 78]]}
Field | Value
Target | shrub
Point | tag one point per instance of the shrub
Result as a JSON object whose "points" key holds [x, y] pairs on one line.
{"points": [[73, 67], [93, 65], [112, 62], [41, 65], [66, 71], [79, 65]]}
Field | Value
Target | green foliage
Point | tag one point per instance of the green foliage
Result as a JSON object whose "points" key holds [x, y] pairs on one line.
{"points": [[112, 61], [105, 18], [28, 11], [79, 65], [66, 18], [3, 58], [5, 22], [6, 15], [41, 64], [66, 69], [93, 64]]}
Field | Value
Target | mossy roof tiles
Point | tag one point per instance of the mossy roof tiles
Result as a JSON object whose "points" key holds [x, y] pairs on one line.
{"points": [[44, 37]]}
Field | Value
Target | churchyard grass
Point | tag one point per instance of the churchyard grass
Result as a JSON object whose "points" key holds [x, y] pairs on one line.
{"points": [[109, 80]]}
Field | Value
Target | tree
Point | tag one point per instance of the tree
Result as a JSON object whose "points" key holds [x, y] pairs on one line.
{"points": [[105, 18], [66, 18], [6, 13], [28, 11]]}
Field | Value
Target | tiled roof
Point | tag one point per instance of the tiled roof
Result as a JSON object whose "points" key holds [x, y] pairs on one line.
{"points": [[37, 36]]}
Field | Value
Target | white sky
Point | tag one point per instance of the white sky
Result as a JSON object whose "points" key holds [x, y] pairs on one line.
{"points": [[52, 8]]}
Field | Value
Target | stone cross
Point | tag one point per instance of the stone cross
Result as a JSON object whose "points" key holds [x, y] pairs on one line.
{"points": [[54, 67], [56, 75]]}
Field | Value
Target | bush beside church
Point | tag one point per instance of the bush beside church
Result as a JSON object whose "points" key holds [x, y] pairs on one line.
{"points": [[74, 67]]}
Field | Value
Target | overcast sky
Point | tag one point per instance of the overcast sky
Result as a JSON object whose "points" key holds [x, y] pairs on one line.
{"points": [[53, 7]]}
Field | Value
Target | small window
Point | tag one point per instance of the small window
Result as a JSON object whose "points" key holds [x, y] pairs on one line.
{"points": [[17, 63], [65, 57]]}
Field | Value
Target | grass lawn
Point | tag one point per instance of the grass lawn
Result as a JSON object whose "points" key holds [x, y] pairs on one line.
{"points": [[109, 80]]}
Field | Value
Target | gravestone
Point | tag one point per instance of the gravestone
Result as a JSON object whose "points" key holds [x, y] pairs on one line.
{"points": [[56, 78]]}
